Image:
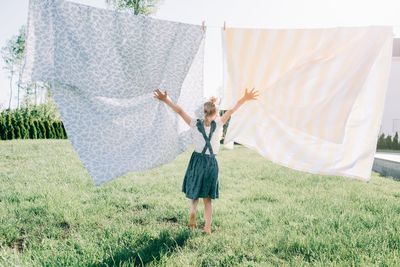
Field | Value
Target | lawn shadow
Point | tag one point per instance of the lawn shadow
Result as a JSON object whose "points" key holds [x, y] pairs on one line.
{"points": [[146, 250]]}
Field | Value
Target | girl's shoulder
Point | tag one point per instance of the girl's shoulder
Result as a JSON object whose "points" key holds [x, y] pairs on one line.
{"points": [[193, 121]]}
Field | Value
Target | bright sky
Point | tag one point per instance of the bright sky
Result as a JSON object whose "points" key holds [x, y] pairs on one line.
{"points": [[236, 13]]}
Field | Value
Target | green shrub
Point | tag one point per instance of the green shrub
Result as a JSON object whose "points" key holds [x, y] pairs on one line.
{"points": [[64, 131], [49, 130], [2, 128], [38, 129], [58, 129], [43, 132], [10, 128], [32, 130], [27, 126], [395, 141], [24, 133], [40, 121]]}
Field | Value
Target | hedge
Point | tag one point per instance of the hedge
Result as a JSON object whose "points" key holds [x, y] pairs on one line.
{"points": [[29, 123]]}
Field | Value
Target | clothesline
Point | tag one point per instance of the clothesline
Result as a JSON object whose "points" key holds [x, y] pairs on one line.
{"points": [[224, 27], [221, 26]]}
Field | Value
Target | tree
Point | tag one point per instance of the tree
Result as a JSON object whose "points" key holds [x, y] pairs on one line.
{"points": [[26, 118], [60, 131], [39, 129], [381, 141], [64, 131], [43, 129], [24, 130], [19, 51], [143, 7], [4, 134], [32, 130], [396, 144], [10, 128], [29, 96], [48, 130], [19, 124], [388, 142], [13, 54], [2, 127], [9, 65]]}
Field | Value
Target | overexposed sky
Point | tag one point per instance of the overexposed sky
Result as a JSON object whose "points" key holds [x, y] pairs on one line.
{"points": [[236, 13]]}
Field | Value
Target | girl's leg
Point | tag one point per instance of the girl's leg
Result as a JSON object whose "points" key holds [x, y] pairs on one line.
{"points": [[207, 215], [193, 211]]}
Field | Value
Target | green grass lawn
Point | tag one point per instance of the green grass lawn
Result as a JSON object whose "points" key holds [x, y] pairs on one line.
{"points": [[51, 214]]}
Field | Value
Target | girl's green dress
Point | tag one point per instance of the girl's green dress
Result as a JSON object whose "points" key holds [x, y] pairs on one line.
{"points": [[201, 178]]}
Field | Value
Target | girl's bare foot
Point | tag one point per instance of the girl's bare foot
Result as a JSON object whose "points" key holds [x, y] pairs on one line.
{"points": [[192, 221], [207, 230]]}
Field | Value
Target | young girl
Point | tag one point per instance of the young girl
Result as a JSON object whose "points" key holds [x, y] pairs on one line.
{"points": [[201, 178]]}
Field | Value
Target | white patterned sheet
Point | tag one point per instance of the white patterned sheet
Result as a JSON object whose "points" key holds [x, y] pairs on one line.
{"points": [[103, 66]]}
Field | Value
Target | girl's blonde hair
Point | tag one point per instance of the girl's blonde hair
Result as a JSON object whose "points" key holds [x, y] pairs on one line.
{"points": [[210, 108]]}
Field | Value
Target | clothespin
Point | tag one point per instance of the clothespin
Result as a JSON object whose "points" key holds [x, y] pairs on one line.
{"points": [[203, 25], [224, 25]]}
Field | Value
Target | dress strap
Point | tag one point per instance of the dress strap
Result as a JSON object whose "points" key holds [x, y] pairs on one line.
{"points": [[200, 127]]}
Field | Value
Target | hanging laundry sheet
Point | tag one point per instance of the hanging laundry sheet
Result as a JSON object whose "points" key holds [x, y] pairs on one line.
{"points": [[103, 66], [322, 94]]}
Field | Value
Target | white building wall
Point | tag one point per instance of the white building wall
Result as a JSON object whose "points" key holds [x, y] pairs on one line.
{"points": [[391, 115]]}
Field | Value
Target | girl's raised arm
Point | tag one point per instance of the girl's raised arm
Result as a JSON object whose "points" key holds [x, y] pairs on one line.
{"points": [[248, 95], [164, 98]]}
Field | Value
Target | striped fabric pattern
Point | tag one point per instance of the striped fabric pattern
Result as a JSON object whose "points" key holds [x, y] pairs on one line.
{"points": [[321, 98]]}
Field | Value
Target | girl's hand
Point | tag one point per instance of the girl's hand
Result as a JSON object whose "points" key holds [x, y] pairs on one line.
{"points": [[164, 98], [250, 95], [160, 95]]}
